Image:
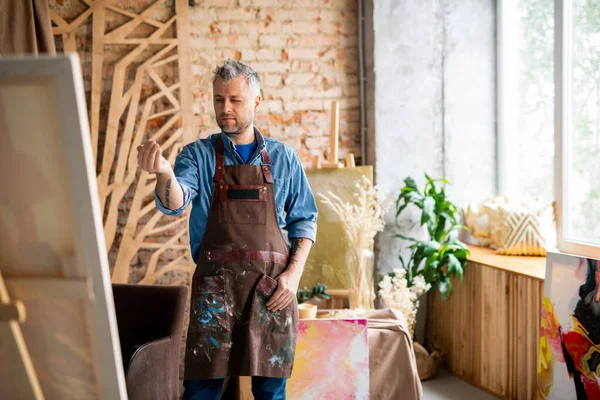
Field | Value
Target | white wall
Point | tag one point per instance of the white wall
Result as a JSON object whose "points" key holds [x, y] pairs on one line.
{"points": [[430, 100]]}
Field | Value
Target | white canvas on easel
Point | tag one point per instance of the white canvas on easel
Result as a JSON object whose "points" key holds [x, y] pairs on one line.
{"points": [[58, 330]]}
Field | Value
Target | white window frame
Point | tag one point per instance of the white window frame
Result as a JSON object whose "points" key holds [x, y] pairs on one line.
{"points": [[507, 90], [562, 123]]}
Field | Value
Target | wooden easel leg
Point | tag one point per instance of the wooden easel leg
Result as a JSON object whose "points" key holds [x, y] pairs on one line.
{"points": [[17, 355]]}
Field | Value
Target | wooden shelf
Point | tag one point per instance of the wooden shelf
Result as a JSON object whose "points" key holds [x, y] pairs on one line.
{"points": [[533, 267]]}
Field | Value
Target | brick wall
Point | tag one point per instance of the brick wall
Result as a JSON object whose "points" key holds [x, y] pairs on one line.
{"points": [[306, 53]]}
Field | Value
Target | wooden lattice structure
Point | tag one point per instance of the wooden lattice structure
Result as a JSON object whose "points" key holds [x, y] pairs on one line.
{"points": [[137, 86]]}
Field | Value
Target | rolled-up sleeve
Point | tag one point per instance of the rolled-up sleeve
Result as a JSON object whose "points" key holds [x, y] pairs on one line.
{"points": [[186, 172], [300, 206]]}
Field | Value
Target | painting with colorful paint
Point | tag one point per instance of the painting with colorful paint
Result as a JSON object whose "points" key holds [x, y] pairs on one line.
{"points": [[569, 350], [332, 361]]}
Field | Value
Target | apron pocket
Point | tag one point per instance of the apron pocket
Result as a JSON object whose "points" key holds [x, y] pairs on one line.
{"points": [[282, 321], [242, 204], [210, 308]]}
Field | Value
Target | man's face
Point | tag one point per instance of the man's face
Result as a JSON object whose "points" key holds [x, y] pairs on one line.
{"points": [[235, 105]]}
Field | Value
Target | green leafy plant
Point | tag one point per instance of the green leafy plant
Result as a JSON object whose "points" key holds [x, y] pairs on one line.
{"points": [[318, 292], [442, 256]]}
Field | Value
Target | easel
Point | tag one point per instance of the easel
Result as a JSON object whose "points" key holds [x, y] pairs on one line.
{"points": [[12, 316], [333, 159]]}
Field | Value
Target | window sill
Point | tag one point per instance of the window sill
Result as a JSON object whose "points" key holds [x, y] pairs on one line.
{"points": [[533, 267]]}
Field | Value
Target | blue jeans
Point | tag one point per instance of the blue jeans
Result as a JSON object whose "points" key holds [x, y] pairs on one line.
{"points": [[208, 389]]}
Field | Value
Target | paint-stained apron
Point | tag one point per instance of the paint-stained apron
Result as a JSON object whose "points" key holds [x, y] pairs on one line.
{"points": [[231, 333]]}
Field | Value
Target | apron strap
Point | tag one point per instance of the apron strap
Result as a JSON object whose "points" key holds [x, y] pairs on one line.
{"points": [[220, 160], [266, 165], [266, 162]]}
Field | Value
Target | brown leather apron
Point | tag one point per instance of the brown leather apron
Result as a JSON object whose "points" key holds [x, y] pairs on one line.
{"points": [[231, 333]]}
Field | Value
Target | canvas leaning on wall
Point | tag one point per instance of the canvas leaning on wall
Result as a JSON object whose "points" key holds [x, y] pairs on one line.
{"points": [[569, 351]]}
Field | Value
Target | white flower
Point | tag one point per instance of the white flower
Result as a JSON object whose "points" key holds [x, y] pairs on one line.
{"points": [[395, 293]]}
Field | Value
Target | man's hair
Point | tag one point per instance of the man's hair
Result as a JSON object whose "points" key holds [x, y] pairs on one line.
{"points": [[232, 69]]}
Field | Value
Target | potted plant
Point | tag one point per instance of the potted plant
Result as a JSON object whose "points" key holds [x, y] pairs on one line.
{"points": [[433, 261], [308, 300], [441, 256]]}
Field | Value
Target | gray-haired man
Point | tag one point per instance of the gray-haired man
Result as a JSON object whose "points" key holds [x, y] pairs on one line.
{"points": [[245, 190]]}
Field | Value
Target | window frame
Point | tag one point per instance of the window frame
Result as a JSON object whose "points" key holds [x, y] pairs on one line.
{"points": [[562, 123], [506, 88]]}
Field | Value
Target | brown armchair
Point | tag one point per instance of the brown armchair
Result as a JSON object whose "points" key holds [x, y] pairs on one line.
{"points": [[150, 320]]}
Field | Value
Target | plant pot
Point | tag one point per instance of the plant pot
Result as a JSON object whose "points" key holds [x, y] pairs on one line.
{"points": [[307, 311]]}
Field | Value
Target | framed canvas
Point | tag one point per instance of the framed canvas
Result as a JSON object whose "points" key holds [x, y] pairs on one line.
{"points": [[327, 260], [332, 360], [569, 351], [58, 330]]}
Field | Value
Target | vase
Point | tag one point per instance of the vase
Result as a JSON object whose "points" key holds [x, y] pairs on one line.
{"points": [[360, 265]]}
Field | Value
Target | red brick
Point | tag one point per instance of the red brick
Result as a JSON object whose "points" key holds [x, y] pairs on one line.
{"points": [[307, 66], [200, 28], [274, 27], [348, 40], [295, 14], [351, 90], [278, 41], [330, 28], [327, 53], [299, 79], [270, 66], [275, 118], [261, 119], [272, 105], [350, 115], [304, 105], [312, 142], [349, 27], [237, 41], [304, 27], [332, 15], [219, 27], [285, 93], [321, 40], [349, 102], [303, 53], [307, 92], [267, 3], [298, 116], [273, 80], [288, 117], [231, 14], [260, 55], [219, 3], [315, 117]]}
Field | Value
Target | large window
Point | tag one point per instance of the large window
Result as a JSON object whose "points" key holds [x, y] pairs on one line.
{"points": [[549, 112]]}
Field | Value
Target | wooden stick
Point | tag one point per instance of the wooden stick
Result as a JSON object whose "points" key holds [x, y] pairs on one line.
{"points": [[350, 163], [316, 161], [335, 132]]}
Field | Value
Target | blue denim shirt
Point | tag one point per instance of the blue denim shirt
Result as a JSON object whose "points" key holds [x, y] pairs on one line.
{"points": [[195, 171]]}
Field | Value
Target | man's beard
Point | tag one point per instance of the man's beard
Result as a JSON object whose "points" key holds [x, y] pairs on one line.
{"points": [[240, 126]]}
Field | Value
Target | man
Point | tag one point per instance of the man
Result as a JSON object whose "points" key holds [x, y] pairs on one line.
{"points": [[244, 189]]}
